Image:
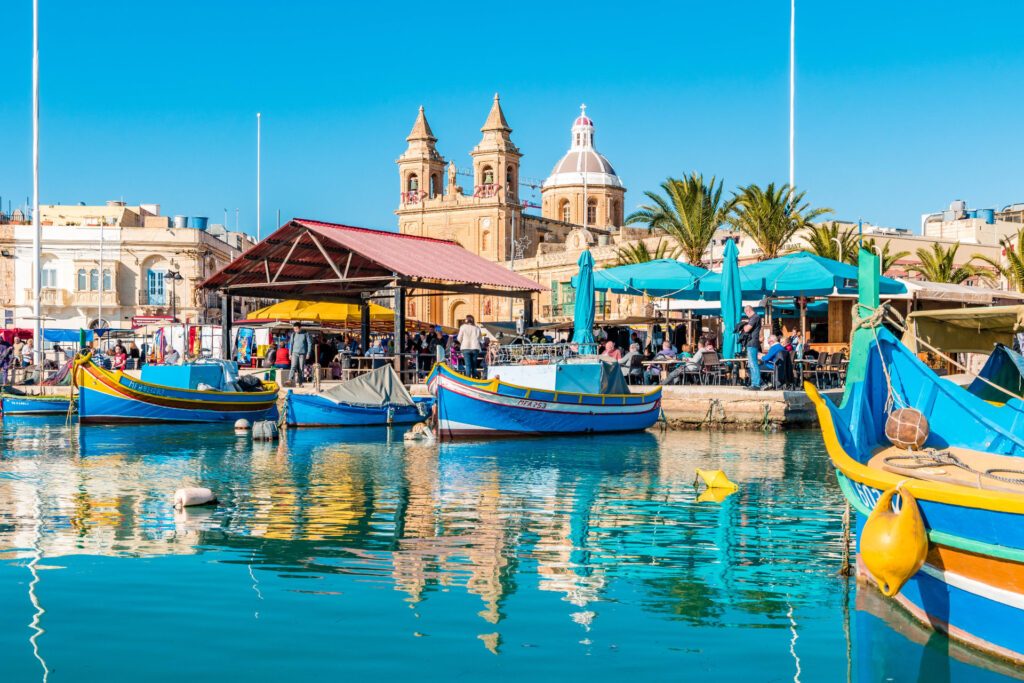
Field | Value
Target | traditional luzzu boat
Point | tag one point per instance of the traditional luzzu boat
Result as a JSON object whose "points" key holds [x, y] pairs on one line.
{"points": [[205, 391], [11, 404], [375, 398], [939, 500], [557, 398]]}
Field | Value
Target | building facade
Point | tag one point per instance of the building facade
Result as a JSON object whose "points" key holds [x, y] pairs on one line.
{"points": [[116, 266]]}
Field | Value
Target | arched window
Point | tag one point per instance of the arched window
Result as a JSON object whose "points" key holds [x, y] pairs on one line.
{"points": [[48, 274], [94, 280], [591, 211], [107, 281], [435, 184], [509, 177], [483, 240], [564, 211], [488, 175], [413, 184], [614, 211], [577, 139], [83, 284]]}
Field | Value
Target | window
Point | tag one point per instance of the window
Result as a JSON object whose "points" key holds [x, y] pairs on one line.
{"points": [[155, 287], [106, 280], [483, 240], [563, 210], [591, 211], [488, 175], [413, 183], [48, 275], [94, 280], [82, 283], [510, 181], [435, 183]]}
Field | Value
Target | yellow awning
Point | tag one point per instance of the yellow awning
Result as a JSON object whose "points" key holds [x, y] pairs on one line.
{"points": [[320, 312]]}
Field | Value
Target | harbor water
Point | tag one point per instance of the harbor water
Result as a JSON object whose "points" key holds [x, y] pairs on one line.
{"points": [[348, 554]]}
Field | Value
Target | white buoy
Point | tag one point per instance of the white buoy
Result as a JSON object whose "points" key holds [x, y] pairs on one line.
{"points": [[264, 430], [196, 495], [241, 426]]}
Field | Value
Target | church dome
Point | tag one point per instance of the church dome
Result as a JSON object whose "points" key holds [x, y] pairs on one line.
{"points": [[582, 164]]}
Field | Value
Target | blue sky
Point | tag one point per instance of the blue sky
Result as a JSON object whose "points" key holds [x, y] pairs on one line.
{"points": [[901, 106]]}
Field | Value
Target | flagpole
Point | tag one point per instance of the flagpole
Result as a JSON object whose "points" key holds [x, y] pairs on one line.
{"points": [[792, 93], [258, 141], [37, 230]]}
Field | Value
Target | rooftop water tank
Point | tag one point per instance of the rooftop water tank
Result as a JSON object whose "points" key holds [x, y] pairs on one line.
{"points": [[199, 222], [989, 215], [180, 222]]}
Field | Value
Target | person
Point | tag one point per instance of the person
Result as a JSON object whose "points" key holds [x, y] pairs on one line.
{"points": [[135, 355], [27, 354], [120, 358], [611, 351], [469, 339], [300, 347], [751, 339], [778, 360], [16, 350], [172, 357], [271, 355], [654, 373], [6, 352], [282, 359]]}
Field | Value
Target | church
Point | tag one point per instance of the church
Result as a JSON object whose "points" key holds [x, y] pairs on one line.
{"points": [[582, 205]]}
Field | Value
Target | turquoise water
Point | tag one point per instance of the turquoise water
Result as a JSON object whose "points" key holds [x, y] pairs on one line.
{"points": [[344, 553]]}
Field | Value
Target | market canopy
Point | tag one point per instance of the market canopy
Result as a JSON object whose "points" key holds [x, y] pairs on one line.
{"points": [[312, 260], [658, 278], [797, 274], [318, 312], [964, 330]]}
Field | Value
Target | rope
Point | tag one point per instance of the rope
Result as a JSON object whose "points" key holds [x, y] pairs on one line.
{"points": [[872, 322], [846, 569], [933, 458]]}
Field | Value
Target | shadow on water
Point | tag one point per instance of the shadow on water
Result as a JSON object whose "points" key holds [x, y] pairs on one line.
{"points": [[514, 545]]}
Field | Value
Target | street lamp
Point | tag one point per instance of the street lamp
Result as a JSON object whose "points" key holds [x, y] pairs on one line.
{"points": [[839, 244], [174, 276]]}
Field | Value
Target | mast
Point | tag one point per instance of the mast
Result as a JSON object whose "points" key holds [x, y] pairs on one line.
{"points": [[258, 141], [37, 230], [792, 94]]}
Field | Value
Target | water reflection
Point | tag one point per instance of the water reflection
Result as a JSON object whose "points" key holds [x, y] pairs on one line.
{"points": [[611, 528]]}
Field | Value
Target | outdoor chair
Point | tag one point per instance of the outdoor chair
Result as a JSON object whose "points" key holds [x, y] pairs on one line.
{"points": [[636, 370], [712, 369]]}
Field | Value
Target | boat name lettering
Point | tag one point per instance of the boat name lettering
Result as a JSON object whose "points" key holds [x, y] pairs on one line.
{"points": [[870, 496], [527, 403], [152, 390]]}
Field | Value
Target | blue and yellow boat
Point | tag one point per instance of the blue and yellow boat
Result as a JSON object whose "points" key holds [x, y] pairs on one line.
{"points": [[206, 391], [468, 407], [940, 516]]}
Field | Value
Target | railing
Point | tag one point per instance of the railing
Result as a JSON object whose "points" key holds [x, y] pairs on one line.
{"points": [[539, 354], [145, 299], [567, 309], [91, 297], [49, 296]]}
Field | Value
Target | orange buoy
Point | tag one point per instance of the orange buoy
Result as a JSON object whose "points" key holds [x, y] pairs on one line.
{"points": [[893, 545]]}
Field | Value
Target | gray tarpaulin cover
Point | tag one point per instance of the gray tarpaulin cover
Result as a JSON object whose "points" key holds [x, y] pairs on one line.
{"points": [[375, 389]]}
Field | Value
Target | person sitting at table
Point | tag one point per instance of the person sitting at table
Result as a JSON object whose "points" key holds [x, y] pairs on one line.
{"points": [[172, 357], [778, 360], [611, 352], [282, 358], [654, 373]]}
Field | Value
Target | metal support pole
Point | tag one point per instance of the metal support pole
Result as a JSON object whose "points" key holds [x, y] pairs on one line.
{"points": [[399, 327], [364, 325], [225, 326]]}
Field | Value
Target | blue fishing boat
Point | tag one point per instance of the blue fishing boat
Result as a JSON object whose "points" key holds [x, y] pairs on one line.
{"points": [[939, 501], [206, 391], [554, 404], [375, 398], [11, 404]]}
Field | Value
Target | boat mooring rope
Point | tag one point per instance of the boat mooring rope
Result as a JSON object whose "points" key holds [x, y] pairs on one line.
{"points": [[933, 458], [847, 568]]}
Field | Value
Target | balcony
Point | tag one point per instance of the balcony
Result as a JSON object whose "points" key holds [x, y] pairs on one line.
{"points": [[92, 298], [50, 296], [146, 299], [567, 309]]}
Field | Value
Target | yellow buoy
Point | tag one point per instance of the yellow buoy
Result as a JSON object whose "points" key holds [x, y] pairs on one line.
{"points": [[894, 545], [716, 479]]}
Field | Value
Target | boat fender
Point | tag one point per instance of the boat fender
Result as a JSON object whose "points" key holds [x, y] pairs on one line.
{"points": [[907, 428], [894, 545], [203, 386], [264, 430], [420, 432], [189, 497], [716, 479], [241, 426]]}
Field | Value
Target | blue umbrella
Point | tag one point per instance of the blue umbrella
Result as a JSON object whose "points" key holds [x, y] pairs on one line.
{"points": [[657, 278], [732, 299], [583, 312]]}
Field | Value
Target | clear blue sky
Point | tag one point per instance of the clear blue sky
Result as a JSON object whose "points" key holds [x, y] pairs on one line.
{"points": [[901, 106]]}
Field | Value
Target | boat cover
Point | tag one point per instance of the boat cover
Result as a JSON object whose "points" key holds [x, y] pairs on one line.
{"points": [[964, 330], [375, 389], [1005, 367]]}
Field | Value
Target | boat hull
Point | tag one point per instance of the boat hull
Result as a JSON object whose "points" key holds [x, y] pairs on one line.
{"points": [[468, 408], [18, 405], [307, 410], [113, 397]]}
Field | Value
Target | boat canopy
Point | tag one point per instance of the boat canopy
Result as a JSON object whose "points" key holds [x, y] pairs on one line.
{"points": [[964, 330], [1004, 368], [375, 389]]}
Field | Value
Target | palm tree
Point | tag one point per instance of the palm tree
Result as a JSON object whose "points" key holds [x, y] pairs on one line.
{"points": [[637, 252], [887, 258], [1013, 269], [772, 216], [829, 241], [937, 265], [689, 212]]}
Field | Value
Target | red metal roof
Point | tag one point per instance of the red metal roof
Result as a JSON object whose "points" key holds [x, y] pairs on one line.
{"points": [[266, 268]]}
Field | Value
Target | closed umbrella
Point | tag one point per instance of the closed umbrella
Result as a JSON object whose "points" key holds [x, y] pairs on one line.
{"points": [[732, 299], [583, 312]]}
